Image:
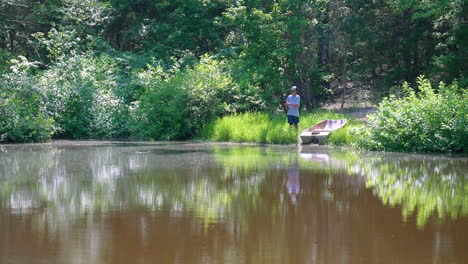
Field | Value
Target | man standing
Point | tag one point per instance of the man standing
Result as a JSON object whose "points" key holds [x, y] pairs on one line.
{"points": [[293, 102]]}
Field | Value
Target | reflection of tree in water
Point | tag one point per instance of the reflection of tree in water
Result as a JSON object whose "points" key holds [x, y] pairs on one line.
{"points": [[67, 182], [425, 184], [72, 180], [229, 198]]}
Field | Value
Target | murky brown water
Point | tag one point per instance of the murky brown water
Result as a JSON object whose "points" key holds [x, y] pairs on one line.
{"points": [[98, 202]]}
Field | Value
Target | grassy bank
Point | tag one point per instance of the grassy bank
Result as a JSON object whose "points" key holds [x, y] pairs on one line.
{"points": [[272, 129]]}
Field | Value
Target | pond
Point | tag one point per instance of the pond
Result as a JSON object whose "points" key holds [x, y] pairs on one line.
{"points": [[184, 202]]}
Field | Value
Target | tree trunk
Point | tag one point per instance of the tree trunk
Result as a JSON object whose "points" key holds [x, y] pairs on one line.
{"points": [[344, 81], [324, 47], [12, 41], [307, 94], [415, 70]]}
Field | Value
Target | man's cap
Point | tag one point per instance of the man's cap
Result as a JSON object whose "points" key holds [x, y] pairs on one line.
{"points": [[294, 88]]}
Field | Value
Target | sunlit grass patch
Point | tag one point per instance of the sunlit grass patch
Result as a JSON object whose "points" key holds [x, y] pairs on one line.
{"points": [[347, 134], [256, 127]]}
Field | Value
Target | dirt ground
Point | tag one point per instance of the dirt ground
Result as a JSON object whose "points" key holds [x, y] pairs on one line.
{"points": [[358, 112], [355, 100]]}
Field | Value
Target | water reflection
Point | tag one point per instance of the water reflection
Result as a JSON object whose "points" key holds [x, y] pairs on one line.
{"points": [[292, 183], [420, 184], [73, 180], [198, 203]]}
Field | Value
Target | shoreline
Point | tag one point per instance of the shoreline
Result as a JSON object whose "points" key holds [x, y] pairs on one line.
{"points": [[187, 143]]}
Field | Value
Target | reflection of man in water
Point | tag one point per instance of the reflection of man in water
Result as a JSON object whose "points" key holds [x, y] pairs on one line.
{"points": [[292, 183]]}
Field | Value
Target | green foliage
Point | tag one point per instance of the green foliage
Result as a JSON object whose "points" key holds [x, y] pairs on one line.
{"points": [[19, 19], [60, 44], [178, 102], [448, 32], [82, 97], [274, 45], [430, 121], [259, 127], [345, 135], [161, 112], [165, 28], [4, 56], [22, 106], [211, 93], [217, 58]]}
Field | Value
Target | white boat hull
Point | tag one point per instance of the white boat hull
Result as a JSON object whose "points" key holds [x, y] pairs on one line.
{"points": [[314, 137], [319, 133]]}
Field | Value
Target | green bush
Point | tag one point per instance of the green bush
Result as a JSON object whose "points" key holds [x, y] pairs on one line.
{"points": [[345, 135], [161, 112], [429, 121], [22, 106], [211, 93], [177, 103], [81, 96]]}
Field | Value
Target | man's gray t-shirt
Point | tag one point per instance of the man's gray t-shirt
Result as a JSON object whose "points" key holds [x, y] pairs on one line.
{"points": [[293, 111]]}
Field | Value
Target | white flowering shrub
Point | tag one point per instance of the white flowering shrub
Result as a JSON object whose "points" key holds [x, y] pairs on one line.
{"points": [[81, 98], [23, 115]]}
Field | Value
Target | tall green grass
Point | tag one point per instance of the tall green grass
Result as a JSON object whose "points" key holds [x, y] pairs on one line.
{"points": [[256, 127]]}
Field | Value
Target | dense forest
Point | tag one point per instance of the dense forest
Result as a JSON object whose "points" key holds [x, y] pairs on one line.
{"points": [[159, 69]]}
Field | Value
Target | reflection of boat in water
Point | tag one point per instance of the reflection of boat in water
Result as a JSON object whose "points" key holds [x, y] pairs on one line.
{"points": [[319, 133], [321, 157]]}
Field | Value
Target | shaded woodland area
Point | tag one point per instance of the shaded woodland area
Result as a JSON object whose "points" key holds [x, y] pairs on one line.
{"points": [[99, 68]]}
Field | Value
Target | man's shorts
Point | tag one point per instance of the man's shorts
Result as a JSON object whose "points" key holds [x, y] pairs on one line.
{"points": [[293, 119]]}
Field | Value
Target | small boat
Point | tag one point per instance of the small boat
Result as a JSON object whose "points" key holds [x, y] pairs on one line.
{"points": [[319, 133]]}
